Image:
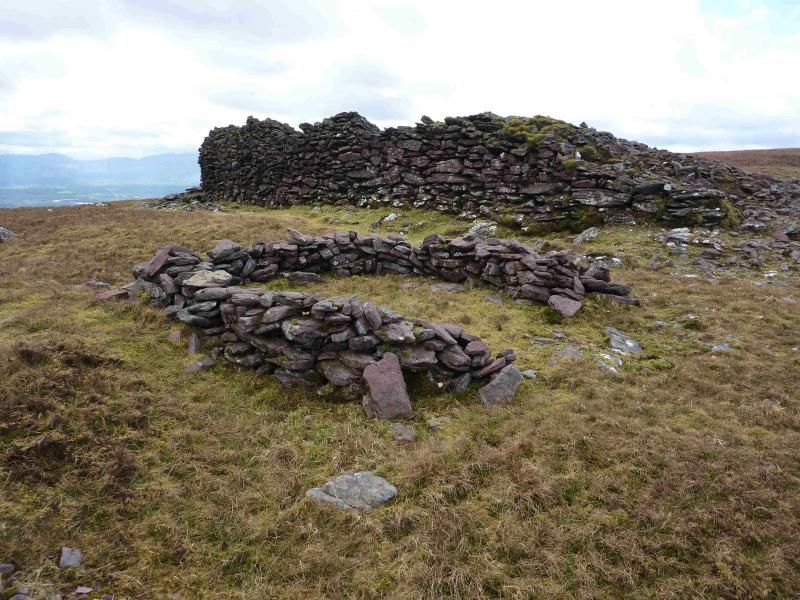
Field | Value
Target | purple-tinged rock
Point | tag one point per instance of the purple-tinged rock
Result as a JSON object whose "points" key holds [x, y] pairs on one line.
{"points": [[566, 306], [454, 358], [387, 397]]}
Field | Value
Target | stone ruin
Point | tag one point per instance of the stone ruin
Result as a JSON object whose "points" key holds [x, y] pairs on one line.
{"points": [[309, 339], [530, 172]]}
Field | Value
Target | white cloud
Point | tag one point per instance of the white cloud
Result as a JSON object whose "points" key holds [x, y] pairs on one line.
{"points": [[127, 78]]}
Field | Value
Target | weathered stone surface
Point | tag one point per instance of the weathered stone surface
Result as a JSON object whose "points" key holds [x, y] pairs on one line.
{"points": [[354, 491], [203, 364], [622, 342], [587, 235], [6, 234], [278, 313], [502, 388], [302, 278], [387, 397], [338, 373], [194, 345], [402, 433], [453, 357], [418, 359], [721, 347], [69, 557], [203, 279], [447, 287], [306, 333], [566, 306], [118, 294], [397, 333]]}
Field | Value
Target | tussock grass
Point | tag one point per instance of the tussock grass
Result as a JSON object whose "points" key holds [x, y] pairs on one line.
{"points": [[678, 478]]}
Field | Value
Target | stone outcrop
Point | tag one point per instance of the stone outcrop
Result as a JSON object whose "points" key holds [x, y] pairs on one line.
{"points": [[526, 171], [309, 339]]}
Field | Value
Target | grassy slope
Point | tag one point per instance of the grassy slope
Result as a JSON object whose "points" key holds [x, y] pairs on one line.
{"points": [[679, 478], [783, 163]]}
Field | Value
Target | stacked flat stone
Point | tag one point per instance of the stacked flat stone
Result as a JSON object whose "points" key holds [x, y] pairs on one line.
{"points": [[309, 338], [508, 265], [473, 166]]}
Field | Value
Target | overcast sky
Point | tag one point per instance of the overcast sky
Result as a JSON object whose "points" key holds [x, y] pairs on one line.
{"points": [[94, 78]]}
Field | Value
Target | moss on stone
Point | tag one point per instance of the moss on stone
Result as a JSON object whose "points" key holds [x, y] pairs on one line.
{"points": [[733, 215]]}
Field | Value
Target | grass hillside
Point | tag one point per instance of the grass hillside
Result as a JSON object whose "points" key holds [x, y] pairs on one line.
{"points": [[679, 477], [783, 163]]}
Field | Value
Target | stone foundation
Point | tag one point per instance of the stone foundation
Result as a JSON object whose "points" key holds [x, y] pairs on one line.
{"points": [[310, 339]]}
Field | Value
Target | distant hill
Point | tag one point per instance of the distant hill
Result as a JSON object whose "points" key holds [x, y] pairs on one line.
{"points": [[782, 163], [59, 170]]}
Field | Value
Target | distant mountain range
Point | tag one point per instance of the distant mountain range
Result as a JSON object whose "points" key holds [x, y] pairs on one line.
{"points": [[59, 170]]}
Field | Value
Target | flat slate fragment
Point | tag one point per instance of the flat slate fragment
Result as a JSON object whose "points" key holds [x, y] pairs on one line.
{"points": [[362, 490]]}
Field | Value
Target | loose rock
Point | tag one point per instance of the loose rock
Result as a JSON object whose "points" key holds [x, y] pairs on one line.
{"points": [[503, 387], [354, 491], [70, 557], [622, 342], [402, 433]]}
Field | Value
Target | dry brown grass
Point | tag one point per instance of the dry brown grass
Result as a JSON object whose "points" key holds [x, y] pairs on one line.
{"points": [[679, 478], [783, 163]]}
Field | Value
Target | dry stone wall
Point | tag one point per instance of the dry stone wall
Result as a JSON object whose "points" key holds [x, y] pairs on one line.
{"points": [[528, 172], [308, 338]]}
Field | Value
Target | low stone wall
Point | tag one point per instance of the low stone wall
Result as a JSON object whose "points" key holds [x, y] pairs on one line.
{"points": [[526, 171], [310, 339]]}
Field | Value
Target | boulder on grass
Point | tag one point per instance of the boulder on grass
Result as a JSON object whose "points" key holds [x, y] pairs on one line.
{"points": [[354, 491]]}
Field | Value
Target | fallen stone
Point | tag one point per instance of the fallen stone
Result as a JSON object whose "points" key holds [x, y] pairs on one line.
{"points": [[194, 345], [118, 294], [587, 235], [70, 557], [566, 306], [354, 491], [437, 423], [6, 234], [447, 287], [402, 433], [529, 374], [567, 353], [502, 388], [622, 342], [387, 397], [721, 347], [203, 364]]}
